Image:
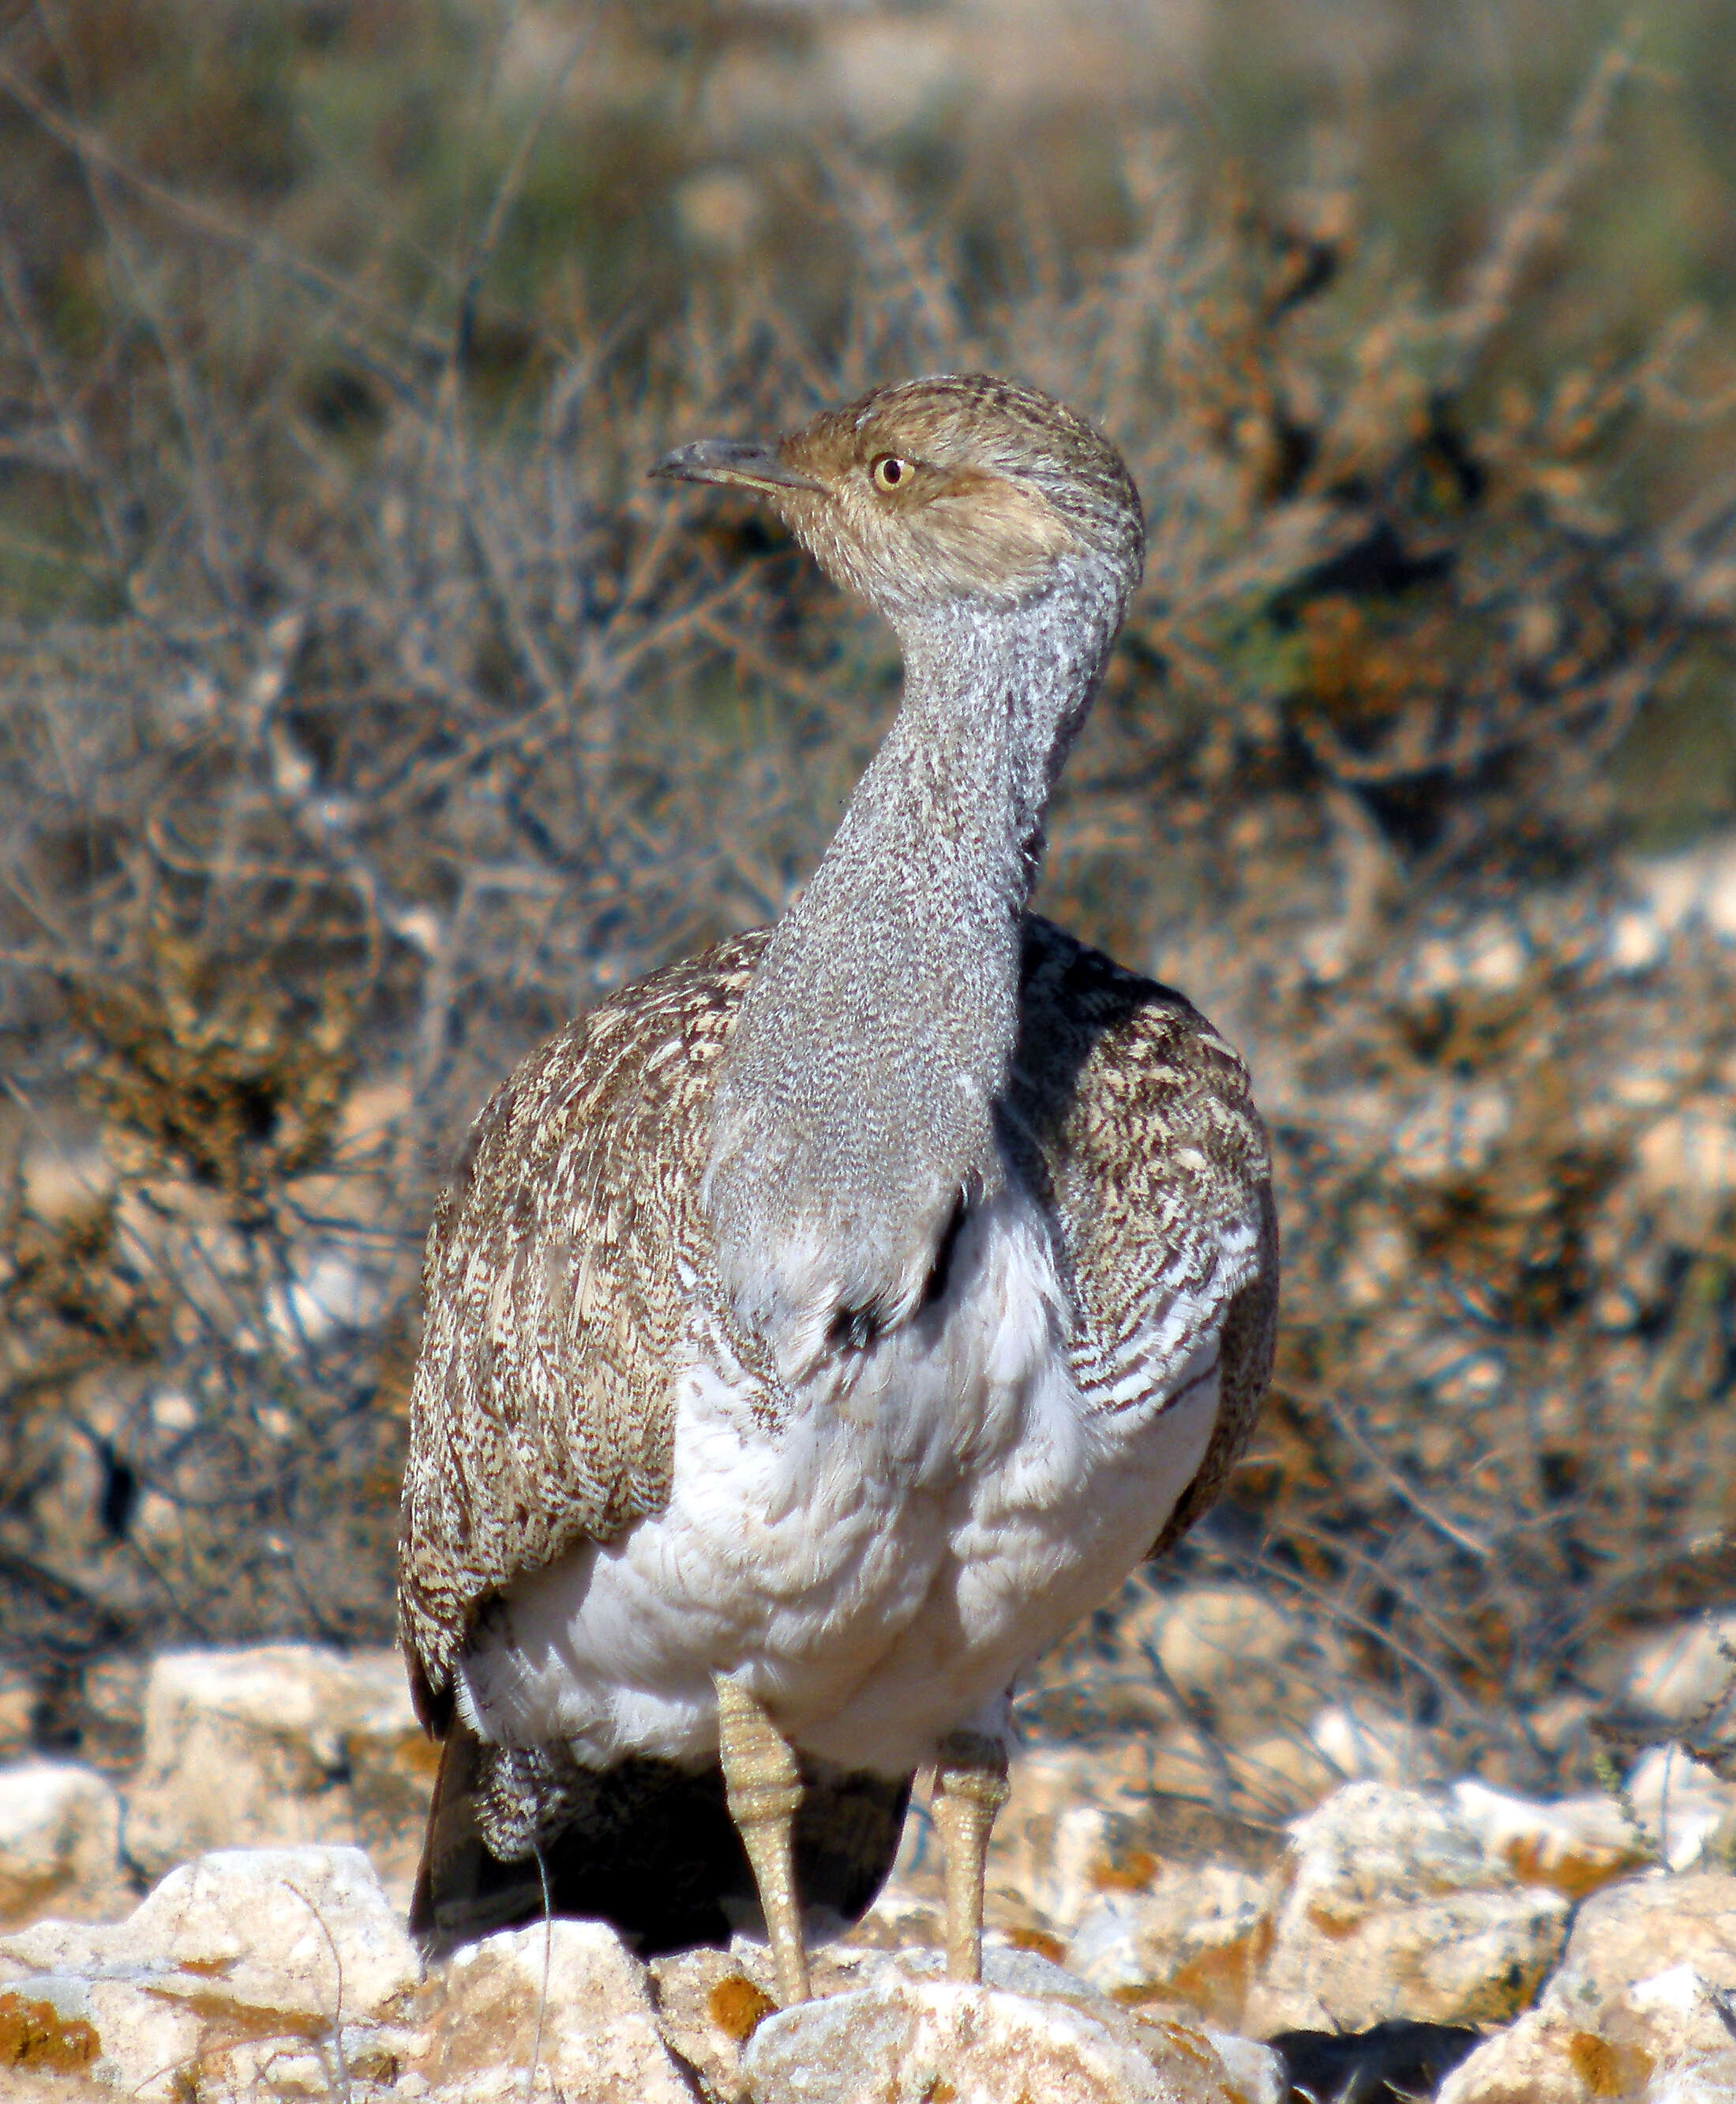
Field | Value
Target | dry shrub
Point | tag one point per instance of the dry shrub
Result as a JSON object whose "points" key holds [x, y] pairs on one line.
{"points": [[377, 721]]}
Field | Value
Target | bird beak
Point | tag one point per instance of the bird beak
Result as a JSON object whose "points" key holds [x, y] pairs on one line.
{"points": [[738, 463]]}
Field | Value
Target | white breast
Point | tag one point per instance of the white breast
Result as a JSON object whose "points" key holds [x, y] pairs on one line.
{"points": [[934, 1512]]}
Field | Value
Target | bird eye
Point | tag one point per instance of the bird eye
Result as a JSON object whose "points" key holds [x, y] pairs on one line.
{"points": [[888, 471]]}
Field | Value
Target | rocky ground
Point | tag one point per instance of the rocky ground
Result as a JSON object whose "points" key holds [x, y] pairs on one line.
{"points": [[1317, 1822], [364, 714], [225, 1920]]}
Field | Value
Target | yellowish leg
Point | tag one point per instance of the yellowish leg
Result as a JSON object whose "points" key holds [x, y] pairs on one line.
{"points": [[764, 1786], [970, 1787]]}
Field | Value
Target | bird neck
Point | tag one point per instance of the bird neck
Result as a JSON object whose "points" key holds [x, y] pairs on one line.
{"points": [[855, 1106]]}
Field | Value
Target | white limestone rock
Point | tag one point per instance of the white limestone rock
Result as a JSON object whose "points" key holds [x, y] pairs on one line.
{"points": [[1228, 1645], [1634, 2011], [284, 1745], [1211, 1638], [267, 1973], [1044, 1783], [1468, 1957], [1672, 892], [1632, 1931], [1663, 2040], [1084, 1821], [1064, 1828], [1489, 955], [60, 1843], [570, 1998], [1299, 1766], [1088, 1843], [134, 2043], [1684, 1673], [709, 2003], [1392, 1908], [905, 2039], [1254, 2073], [1366, 1743], [1686, 1160], [1194, 1939], [1686, 1812], [1574, 1844]]}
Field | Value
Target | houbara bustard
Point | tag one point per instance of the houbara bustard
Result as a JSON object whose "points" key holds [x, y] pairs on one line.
{"points": [[822, 1324]]}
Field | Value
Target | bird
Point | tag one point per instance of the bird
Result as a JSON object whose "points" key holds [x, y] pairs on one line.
{"points": [[820, 1326]]}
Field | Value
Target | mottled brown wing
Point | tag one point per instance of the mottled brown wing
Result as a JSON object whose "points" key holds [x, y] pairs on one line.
{"points": [[557, 1281], [1139, 1129]]}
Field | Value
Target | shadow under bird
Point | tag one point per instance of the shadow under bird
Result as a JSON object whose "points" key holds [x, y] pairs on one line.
{"points": [[820, 1327]]}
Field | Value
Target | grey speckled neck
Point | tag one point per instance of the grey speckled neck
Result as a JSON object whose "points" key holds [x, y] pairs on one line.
{"points": [[855, 1105]]}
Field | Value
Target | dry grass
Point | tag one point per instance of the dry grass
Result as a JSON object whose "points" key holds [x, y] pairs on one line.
{"points": [[364, 715]]}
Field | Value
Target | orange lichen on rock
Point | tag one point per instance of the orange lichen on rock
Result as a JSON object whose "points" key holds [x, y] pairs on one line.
{"points": [[1040, 1941], [1130, 1872], [35, 2035], [738, 2008], [1607, 2070], [1533, 1860]]}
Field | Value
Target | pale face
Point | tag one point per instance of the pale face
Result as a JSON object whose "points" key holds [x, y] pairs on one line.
{"points": [[955, 488]]}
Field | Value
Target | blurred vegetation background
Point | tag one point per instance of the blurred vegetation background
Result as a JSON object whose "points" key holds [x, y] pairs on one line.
{"points": [[363, 715]]}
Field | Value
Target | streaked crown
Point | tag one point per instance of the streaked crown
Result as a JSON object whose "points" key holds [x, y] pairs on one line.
{"points": [[961, 486]]}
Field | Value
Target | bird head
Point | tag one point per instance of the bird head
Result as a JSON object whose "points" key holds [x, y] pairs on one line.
{"points": [[959, 487]]}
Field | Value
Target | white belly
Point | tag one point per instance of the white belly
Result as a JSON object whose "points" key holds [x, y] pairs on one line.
{"points": [[880, 1567]]}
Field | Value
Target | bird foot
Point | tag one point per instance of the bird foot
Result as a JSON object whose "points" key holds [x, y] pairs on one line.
{"points": [[763, 1785], [970, 1787]]}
